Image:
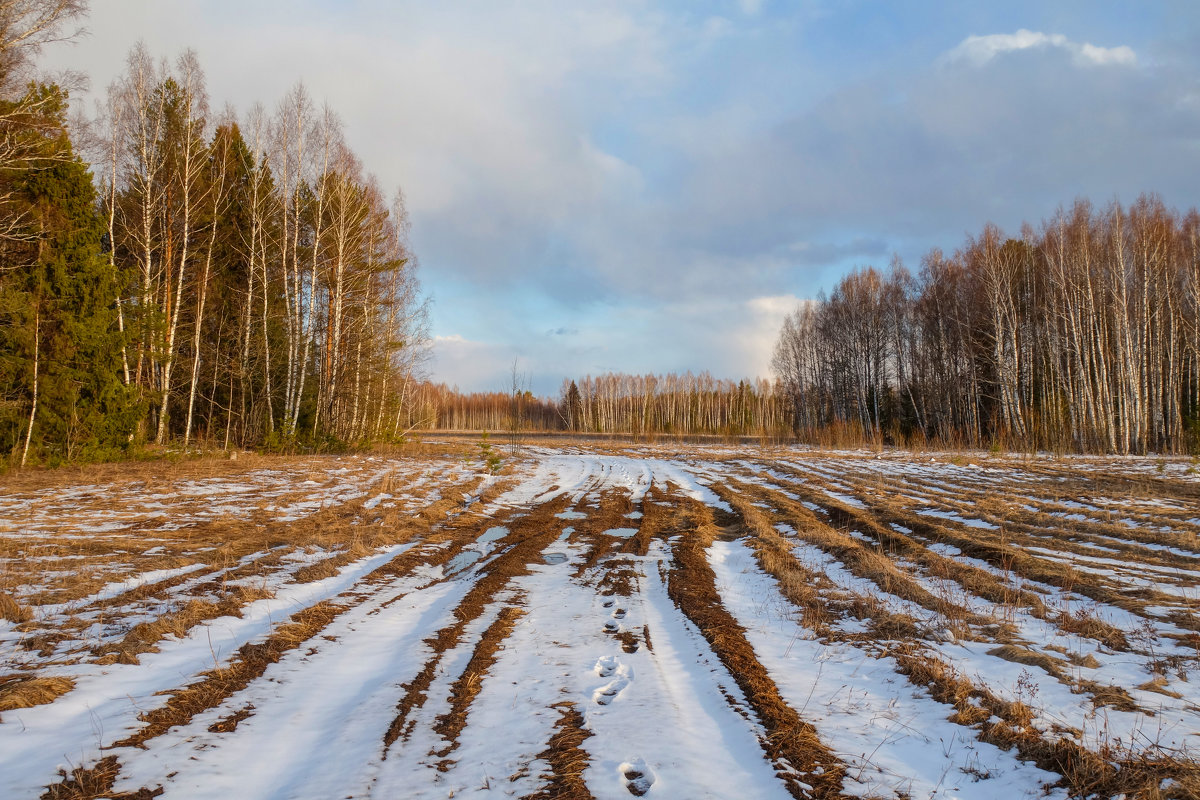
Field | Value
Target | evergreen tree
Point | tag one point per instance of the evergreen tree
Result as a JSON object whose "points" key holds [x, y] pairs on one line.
{"points": [[59, 343]]}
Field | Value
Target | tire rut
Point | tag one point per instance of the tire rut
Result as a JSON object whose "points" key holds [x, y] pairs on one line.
{"points": [[802, 761]]}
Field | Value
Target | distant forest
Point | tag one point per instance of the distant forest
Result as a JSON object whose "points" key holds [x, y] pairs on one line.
{"points": [[1082, 335], [171, 273], [614, 403]]}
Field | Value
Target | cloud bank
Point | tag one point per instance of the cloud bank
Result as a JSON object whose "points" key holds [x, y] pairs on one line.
{"points": [[619, 186]]}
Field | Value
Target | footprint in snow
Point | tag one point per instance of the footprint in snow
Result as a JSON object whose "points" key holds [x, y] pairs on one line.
{"points": [[619, 614], [621, 674], [611, 626], [608, 603], [609, 691], [637, 776]]}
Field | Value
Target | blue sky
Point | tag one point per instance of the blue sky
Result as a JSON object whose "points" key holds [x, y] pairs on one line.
{"points": [[642, 186]]}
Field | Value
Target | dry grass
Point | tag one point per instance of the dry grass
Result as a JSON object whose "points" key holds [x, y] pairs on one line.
{"points": [[614, 506], [875, 565], [1084, 622], [798, 583], [217, 684], [146, 636], [13, 611], [1030, 658], [95, 782], [228, 724], [1111, 771], [566, 757], [252, 660], [899, 564], [1005, 554], [30, 691], [248, 554], [328, 567]]}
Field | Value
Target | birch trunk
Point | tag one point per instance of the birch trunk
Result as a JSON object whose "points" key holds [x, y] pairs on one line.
{"points": [[37, 329]]}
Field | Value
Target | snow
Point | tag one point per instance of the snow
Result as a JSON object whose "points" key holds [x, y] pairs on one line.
{"points": [[103, 707], [969, 521], [118, 588], [668, 718], [623, 533], [893, 737]]}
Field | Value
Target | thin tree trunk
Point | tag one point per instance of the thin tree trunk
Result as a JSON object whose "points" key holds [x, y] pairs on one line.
{"points": [[37, 331]]}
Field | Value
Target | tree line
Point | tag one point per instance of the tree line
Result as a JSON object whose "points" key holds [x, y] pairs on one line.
{"points": [[680, 404], [1080, 334], [436, 406], [236, 281]]}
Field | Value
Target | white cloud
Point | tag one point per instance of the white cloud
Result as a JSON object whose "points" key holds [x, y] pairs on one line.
{"points": [[1106, 55], [979, 50], [760, 330], [470, 365], [751, 7]]}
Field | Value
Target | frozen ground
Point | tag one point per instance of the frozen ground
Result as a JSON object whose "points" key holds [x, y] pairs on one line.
{"points": [[659, 621]]}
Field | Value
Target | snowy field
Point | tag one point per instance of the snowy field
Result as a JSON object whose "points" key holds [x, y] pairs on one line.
{"points": [[600, 622]]}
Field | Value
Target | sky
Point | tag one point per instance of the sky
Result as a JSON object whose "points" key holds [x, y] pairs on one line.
{"points": [[640, 187]]}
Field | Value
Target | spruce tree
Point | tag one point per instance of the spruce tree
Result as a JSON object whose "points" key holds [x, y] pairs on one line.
{"points": [[58, 312]]}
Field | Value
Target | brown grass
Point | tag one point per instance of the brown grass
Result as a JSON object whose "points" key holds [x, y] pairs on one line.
{"points": [[871, 564], [13, 611], [1023, 655], [347, 529], [1084, 622], [1110, 772], [253, 659], [228, 724], [239, 535], [808, 590], [328, 567], [95, 782], [1004, 554], [217, 684], [1106, 773], [566, 757], [614, 505], [145, 636], [774, 554], [347, 532], [27, 692], [1108, 695], [1020, 527]]}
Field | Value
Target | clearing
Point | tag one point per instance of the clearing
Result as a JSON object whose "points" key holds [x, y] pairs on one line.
{"points": [[601, 621]]}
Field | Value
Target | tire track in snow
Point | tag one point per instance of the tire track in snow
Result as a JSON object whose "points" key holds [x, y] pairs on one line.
{"points": [[554, 668], [801, 759]]}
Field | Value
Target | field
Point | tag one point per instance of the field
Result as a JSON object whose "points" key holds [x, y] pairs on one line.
{"points": [[602, 621]]}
